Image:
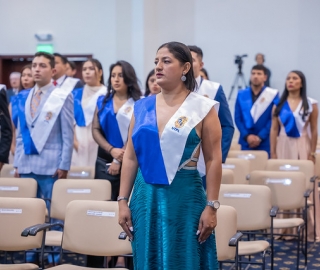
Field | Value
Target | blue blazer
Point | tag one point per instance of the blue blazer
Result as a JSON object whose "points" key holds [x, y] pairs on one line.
{"points": [[261, 128], [226, 122]]}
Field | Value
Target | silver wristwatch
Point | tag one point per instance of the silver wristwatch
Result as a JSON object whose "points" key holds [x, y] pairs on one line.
{"points": [[214, 204]]}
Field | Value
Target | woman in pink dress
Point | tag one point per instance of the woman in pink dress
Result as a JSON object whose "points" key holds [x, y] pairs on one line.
{"points": [[294, 130]]}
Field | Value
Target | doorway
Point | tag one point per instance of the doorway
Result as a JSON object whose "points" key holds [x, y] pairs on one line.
{"points": [[12, 63]]}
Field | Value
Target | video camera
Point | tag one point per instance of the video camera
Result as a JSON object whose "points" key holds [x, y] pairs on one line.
{"points": [[239, 60]]}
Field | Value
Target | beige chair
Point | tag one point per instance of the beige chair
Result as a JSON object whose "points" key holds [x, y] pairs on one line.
{"points": [[307, 167], [67, 190], [240, 168], [81, 172], [7, 171], [18, 187], [253, 206], [288, 193], [258, 159], [235, 146], [227, 176], [225, 231], [91, 228], [16, 214]]}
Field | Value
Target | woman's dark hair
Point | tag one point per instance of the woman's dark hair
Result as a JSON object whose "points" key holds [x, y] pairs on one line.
{"points": [[98, 65], [147, 92], [303, 95], [182, 53], [130, 79], [205, 72], [23, 69]]}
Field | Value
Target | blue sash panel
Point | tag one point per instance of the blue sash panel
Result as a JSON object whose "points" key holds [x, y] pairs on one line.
{"points": [[246, 105], [288, 120], [109, 123], [78, 111], [14, 110], [146, 142], [28, 144]]}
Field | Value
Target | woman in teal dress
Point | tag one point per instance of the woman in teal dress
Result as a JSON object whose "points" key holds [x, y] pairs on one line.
{"points": [[171, 219]]}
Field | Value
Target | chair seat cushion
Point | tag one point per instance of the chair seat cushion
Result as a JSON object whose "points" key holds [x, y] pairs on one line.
{"points": [[53, 238], [252, 247], [22, 266], [282, 223], [75, 267]]}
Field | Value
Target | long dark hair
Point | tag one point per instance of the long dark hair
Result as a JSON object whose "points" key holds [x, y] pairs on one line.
{"points": [[182, 53], [130, 79], [24, 68], [96, 63], [147, 92], [303, 95]]}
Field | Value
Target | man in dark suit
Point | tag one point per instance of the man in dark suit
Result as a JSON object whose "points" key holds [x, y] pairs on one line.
{"points": [[14, 84], [5, 128], [60, 79]]}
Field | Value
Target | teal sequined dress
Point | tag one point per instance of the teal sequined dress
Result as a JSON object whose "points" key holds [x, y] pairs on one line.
{"points": [[165, 221]]}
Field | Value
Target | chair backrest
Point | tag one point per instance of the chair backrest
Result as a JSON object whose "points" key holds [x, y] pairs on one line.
{"points": [[67, 190], [305, 166], [317, 165], [16, 214], [240, 168], [91, 227], [252, 203], [7, 171], [235, 146], [258, 159], [227, 176], [287, 188], [81, 172], [226, 228], [18, 187]]}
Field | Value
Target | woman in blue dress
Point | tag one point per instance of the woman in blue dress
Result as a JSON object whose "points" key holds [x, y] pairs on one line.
{"points": [[171, 219]]}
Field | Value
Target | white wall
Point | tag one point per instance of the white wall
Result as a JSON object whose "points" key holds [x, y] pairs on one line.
{"points": [[286, 31]]}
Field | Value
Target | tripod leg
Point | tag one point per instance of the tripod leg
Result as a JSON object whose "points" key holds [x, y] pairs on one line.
{"points": [[235, 82]]}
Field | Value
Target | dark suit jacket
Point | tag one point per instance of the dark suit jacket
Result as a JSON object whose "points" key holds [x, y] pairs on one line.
{"points": [[10, 94], [226, 121], [5, 128]]}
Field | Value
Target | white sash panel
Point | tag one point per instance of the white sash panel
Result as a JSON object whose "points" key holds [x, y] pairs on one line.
{"points": [[208, 89], [68, 84], [175, 134], [297, 115], [47, 117], [2, 86], [88, 110], [262, 103], [123, 117]]}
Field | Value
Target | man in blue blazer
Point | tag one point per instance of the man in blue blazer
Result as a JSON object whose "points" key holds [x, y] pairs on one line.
{"points": [[45, 130], [214, 91], [253, 111]]}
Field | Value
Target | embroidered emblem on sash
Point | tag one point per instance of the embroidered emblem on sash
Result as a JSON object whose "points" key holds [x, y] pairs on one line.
{"points": [[206, 96], [262, 100], [127, 110], [180, 122], [48, 116]]}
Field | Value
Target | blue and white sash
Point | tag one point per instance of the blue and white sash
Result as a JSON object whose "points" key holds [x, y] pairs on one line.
{"points": [[47, 117], [15, 106], [28, 145], [84, 115], [292, 121], [262, 103], [3, 86], [115, 127], [208, 89], [159, 159]]}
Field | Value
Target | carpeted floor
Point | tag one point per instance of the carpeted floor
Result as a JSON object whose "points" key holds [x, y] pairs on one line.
{"points": [[285, 257]]}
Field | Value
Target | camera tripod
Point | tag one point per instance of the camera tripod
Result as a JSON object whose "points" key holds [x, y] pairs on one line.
{"points": [[238, 81]]}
